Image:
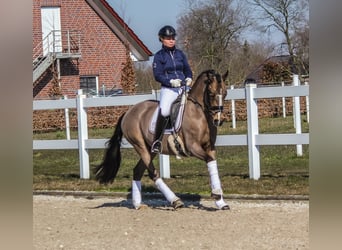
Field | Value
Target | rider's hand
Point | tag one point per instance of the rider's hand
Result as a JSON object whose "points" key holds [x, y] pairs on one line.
{"points": [[175, 83], [188, 81]]}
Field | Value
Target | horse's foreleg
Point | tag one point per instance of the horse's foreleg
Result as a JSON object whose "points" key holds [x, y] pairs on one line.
{"points": [[138, 173], [216, 189], [209, 157]]}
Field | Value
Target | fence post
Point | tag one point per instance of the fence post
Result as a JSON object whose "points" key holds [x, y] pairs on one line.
{"points": [[164, 160], [307, 105], [233, 110], [297, 117], [164, 165], [284, 102], [253, 130], [82, 135], [67, 121]]}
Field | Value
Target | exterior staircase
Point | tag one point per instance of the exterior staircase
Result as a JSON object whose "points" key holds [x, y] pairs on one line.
{"points": [[56, 45]]}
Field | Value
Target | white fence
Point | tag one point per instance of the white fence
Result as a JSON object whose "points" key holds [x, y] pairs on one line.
{"points": [[252, 139]]}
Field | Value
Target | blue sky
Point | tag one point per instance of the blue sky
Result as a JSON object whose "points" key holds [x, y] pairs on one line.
{"points": [[146, 17]]}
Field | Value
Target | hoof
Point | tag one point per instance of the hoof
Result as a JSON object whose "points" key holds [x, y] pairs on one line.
{"points": [[177, 204], [225, 207], [140, 206], [221, 205]]}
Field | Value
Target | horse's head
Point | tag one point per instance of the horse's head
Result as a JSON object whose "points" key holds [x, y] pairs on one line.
{"points": [[214, 94]]}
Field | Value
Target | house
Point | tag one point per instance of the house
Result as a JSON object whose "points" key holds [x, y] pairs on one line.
{"points": [[80, 44]]}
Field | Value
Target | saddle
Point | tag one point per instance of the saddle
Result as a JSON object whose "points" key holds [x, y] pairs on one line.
{"points": [[174, 120], [173, 126]]}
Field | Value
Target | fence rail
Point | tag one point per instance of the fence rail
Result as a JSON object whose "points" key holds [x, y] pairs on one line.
{"points": [[252, 139]]}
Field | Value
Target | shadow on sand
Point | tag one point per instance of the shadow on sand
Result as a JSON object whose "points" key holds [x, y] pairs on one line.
{"points": [[152, 202]]}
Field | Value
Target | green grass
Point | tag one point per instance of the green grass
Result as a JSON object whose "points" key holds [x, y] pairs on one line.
{"points": [[282, 172]]}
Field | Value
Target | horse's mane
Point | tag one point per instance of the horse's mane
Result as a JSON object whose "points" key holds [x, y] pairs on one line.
{"points": [[209, 73]]}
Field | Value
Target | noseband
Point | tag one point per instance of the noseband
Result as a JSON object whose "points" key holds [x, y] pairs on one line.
{"points": [[218, 108]]}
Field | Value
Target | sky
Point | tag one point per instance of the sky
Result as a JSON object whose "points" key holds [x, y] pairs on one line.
{"points": [[146, 17]]}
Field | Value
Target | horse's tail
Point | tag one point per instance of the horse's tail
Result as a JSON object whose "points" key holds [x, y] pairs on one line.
{"points": [[107, 170]]}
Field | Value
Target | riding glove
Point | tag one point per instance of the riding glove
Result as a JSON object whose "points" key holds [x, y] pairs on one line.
{"points": [[188, 81], [175, 83]]}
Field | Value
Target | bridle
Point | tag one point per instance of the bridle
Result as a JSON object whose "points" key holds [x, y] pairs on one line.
{"points": [[218, 109], [208, 109], [214, 110]]}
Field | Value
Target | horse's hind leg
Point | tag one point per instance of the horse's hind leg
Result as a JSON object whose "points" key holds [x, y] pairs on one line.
{"points": [[147, 158], [175, 201], [138, 173], [146, 162]]}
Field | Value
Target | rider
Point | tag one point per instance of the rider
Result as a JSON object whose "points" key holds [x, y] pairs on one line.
{"points": [[170, 69]]}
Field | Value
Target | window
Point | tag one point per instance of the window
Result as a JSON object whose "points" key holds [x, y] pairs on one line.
{"points": [[89, 85]]}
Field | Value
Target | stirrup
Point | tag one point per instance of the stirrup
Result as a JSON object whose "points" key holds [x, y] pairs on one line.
{"points": [[156, 147]]}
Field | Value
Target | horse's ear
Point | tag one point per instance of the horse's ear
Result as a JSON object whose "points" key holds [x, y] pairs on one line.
{"points": [[224, 77]]}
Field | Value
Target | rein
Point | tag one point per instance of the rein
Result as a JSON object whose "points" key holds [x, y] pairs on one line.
{"points": [[195, 101], [208, 109]]}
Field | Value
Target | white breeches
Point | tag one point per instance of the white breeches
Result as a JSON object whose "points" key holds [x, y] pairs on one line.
{"points": [[167, 97]]}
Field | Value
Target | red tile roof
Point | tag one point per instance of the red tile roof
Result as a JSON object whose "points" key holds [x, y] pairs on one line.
{"points": [[124, 27]]}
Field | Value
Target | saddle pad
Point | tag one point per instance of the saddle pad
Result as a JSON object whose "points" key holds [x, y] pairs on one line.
{"points": [[167, 130]]}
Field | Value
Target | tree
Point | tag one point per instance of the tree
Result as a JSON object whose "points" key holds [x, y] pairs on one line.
{"points": [[301, 46], [128, 74], [245, 58], [209, 30], [55, 90], [145, 78], [286, 16]]}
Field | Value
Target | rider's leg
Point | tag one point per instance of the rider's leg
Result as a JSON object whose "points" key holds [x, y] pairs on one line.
{"points": [[158, 133], [167, 97]]}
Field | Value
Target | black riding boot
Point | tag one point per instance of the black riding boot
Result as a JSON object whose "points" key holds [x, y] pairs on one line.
{"points": [[158, 133]]}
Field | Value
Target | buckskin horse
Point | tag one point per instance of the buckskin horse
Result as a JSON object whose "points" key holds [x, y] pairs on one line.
{"points": [[196, 137]]}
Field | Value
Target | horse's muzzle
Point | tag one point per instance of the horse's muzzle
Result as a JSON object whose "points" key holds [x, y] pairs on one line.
{"points": [[218, 122], [218, 119]]}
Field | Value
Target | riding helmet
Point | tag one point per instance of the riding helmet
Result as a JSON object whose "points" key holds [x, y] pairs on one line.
{"points": [[167, 31]]}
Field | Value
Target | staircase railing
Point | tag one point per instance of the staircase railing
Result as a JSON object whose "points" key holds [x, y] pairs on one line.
{"points": [[57, 42]]}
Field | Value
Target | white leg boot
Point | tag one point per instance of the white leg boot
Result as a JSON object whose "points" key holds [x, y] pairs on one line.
{"points": [[216, 190], [169, 195], [136, 195]]}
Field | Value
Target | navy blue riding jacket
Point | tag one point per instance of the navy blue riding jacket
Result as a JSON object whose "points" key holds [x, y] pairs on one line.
{"points": [[170, 63]]}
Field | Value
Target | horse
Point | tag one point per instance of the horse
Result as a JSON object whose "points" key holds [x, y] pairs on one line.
{"points": [[196, 138]]}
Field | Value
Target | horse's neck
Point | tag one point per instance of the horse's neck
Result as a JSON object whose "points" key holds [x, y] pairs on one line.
{"points": [[196, 112], [196, 94]]}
